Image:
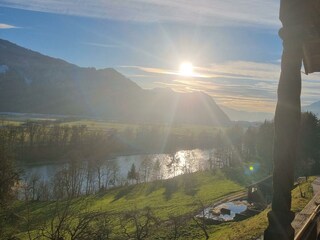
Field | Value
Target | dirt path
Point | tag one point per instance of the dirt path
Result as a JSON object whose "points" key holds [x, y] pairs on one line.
{"points": [[230, 198]]}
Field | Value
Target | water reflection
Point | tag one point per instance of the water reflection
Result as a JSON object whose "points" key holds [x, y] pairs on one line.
{"points": [[218, 214], [168, 165], [114, 172]]}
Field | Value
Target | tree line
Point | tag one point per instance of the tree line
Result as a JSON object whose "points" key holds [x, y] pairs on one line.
{"points": [[240, 151], [85, 151]]}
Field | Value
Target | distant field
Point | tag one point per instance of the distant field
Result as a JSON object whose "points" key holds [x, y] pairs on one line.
{"points": [[180, 129], [19, 119], [175, 128], [9, 122]]}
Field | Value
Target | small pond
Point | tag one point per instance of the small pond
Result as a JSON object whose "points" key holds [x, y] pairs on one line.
{"points": [[218, 213]]}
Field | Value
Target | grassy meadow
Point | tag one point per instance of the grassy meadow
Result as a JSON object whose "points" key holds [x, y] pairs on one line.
{"points": [[179, 196]]}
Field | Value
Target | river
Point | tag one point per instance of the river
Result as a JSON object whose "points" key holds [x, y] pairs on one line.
{"points": [[150, 167]]}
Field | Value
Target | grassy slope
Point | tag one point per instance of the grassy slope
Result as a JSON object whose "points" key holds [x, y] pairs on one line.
{"points": [[170, 197]]}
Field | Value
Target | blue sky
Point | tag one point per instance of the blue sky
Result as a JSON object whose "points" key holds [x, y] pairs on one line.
{"points": [[233, 44]]}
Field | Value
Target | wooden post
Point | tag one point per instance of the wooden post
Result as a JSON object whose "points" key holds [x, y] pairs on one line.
{"points": [[287, 123]]}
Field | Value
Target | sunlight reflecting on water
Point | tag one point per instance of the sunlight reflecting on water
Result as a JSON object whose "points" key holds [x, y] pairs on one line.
{"points": [[235, 207], [149, 166]]}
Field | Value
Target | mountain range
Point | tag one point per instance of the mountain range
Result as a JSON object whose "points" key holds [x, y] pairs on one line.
{"points": [[237, 115], [34, 83], [314, 107]]}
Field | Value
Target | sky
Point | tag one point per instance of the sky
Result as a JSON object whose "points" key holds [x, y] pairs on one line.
{"points": [[233, 45]]}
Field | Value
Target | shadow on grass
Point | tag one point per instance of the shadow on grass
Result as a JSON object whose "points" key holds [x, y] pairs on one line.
{"points": [[153, 186], [171, 186], [190, 184], [124, 191], [33, 205]]}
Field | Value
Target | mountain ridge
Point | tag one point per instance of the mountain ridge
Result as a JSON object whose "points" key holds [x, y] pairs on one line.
{"points": [[35, 83], [313, 107], [238, 115]]}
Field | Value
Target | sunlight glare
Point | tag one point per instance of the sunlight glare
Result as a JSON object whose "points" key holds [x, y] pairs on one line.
{"points": [[186, 69]]}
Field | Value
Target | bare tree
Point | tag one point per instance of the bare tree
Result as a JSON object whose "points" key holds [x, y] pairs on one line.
{"points": [[69, 223], [67, 183], [44, 191], [111, 172], [32, 128], [145, 168], [174, 163], [33, 183], [9, 175], [201, 222], [55, 229], [100, 173], [87, 226], [176, 226], [138, 224], [90, 176], [156, 170]]}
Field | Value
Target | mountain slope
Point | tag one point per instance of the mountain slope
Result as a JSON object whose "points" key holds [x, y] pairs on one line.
{"points": [[237, 115], [314, 107], [34, 83]]}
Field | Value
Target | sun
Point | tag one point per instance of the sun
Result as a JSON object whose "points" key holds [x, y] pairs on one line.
{"points": [[186, 69]]}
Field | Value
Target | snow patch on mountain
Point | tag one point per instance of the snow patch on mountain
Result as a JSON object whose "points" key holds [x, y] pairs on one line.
{"points": [[28, 81], [3, 69]]}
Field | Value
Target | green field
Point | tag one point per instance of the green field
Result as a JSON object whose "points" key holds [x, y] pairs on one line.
{"points": [[108, 125], [175, 197], [166, 198], [180, 129]]}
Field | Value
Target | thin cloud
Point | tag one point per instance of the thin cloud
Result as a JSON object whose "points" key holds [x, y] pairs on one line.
{"points": [[138, 76], [235, 70], [101, 45], [245, 69], [159, 71], [242, 85], [237, 97], [204, 12], [6, 26]]}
